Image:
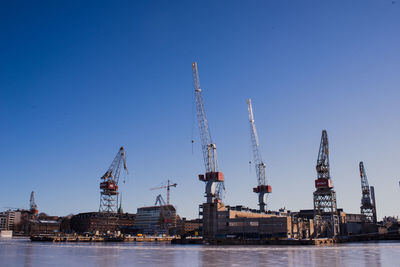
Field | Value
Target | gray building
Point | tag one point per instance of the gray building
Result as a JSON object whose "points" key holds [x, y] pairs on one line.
{"points": [[156, 220]]}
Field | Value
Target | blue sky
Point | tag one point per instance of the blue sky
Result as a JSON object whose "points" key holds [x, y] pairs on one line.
{"points": [[78, 79]]}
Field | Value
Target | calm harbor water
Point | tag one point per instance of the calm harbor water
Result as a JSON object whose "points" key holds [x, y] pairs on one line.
{"points": [[23, 252]]}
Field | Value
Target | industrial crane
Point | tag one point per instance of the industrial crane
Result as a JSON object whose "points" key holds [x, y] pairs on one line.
{"points": [[262, 189], [367, 204], [109, 185], [168, 186], [326, 219], [33, 206], [213, 178]]}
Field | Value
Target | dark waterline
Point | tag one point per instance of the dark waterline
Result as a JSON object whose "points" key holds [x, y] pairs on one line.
{"points": [[23, 252]]}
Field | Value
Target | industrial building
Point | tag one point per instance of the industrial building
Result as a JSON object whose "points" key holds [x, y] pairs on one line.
{"points": [[220, 221], [97, 221], [188, 227], [155, 220]]}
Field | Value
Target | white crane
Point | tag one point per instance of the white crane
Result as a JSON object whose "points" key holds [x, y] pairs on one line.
{"points": [[213, 178], [262, 188]]}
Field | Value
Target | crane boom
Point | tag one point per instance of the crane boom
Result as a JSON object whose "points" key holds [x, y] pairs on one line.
{"points": [[262, 189], [213, 178], [322, 167], [323, 157], [258, 162], [114, 170], [209, 153], [366, 197]]}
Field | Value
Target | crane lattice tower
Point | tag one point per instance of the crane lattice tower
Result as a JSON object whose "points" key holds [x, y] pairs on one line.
{"points": [[326, 220]]}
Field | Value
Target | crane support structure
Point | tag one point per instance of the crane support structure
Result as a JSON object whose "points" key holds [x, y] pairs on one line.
{"points": [[168, 186], [373, 203], [213, 178], [326, 218], [367, 202], [262, 188], [109, 185]]}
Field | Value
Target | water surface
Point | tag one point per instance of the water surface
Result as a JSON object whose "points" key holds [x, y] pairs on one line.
{"points": [[23, 252]]}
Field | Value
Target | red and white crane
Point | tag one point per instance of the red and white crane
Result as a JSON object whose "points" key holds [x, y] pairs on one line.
{"points": [[213, 178], [109, 185], [262, 189]]}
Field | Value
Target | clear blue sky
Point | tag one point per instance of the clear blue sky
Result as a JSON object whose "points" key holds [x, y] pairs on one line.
{"points": [[78, 79]]}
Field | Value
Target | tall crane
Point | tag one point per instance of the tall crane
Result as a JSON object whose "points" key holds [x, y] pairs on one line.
{"points": [[213, 178], [367, 204], [326, 218], [262, 189], [33, 207], [168, 186], [109, 185]]}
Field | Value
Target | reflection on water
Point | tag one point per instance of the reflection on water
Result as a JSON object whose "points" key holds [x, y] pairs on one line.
{"points": [[22, 252]]}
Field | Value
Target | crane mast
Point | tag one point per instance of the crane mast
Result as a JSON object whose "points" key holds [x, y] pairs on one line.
{"points": [[367, 203], [213, 178], [326, 218], [109, 185], [262, 188]]}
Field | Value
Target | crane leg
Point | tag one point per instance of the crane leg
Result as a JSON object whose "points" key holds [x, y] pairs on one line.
{"points": [[210, 191], [262, 199]]}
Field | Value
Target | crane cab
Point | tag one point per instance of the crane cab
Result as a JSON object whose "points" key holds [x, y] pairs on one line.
{"points": [[323, 183], [109, 185], [262, 189], [212, 176]]}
